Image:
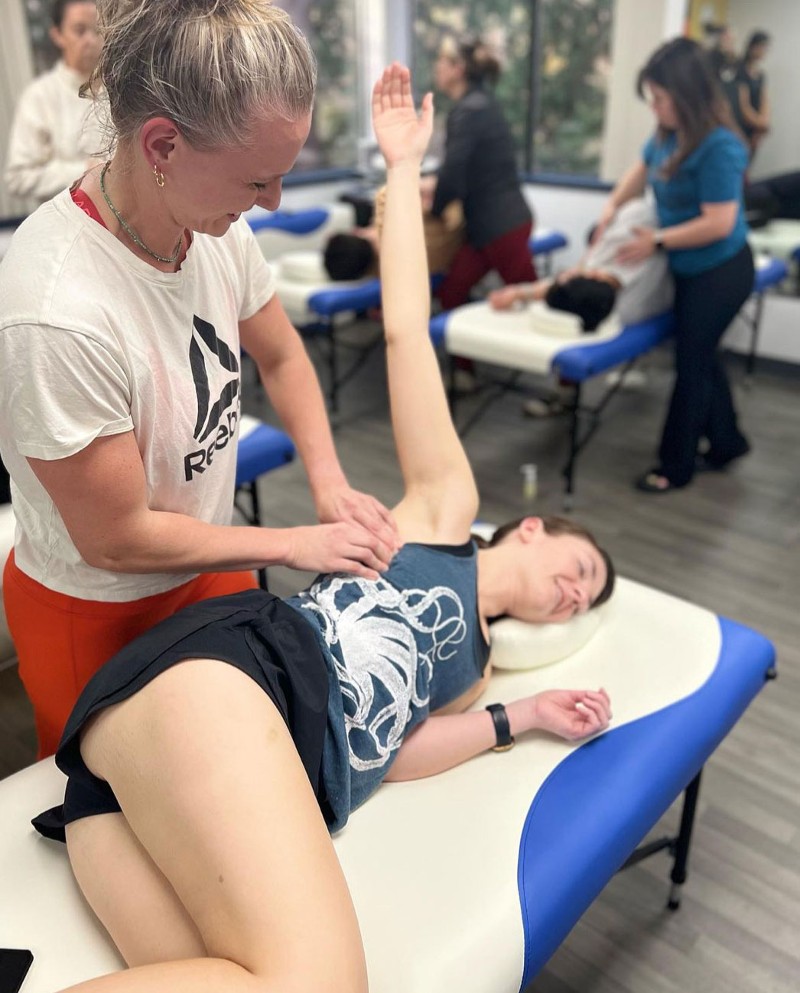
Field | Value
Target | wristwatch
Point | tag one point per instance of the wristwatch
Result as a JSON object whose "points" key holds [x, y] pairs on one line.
{"points": [[502, 728], [658, 241]]}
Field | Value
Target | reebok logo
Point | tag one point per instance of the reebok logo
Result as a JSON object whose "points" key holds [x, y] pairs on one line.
{"points": [[217, 415]]}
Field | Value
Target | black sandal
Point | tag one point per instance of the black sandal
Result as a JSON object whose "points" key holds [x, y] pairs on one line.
{"points": [[654, 481]]}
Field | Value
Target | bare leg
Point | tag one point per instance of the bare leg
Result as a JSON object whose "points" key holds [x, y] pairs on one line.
{"points": [[213, 789]]}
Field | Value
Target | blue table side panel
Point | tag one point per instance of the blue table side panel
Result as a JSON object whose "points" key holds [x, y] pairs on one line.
{"points": [[580, 362], [598, 805], [438, 326], [261, 450], [550, 242], [774, 272], [327, 303], [295, 222]]}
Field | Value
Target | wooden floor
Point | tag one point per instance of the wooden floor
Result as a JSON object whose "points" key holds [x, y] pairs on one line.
{"points": [[730, 542]]}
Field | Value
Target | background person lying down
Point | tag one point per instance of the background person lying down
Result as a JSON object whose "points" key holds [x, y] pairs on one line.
{"points": [[354, 255], [600, 283]]}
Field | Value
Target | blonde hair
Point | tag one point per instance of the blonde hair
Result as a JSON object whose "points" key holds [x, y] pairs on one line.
{"points": [[210, 66]]}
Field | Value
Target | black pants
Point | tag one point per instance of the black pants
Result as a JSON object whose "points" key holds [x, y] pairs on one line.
{"points": [[701, 404]]}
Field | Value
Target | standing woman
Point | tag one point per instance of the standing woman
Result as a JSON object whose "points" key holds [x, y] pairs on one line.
{"points": [[124, 303], [55, 132], [480, 170], [753, 113], [695, 164]]}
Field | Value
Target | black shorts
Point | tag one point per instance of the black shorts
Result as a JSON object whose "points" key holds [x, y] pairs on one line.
{"points": [[253, 631]]}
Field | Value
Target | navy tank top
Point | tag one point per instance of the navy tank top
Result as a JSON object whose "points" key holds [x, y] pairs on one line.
{"points": [[397, 648]]}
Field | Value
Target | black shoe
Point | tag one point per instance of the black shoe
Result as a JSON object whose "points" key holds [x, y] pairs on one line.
{"points": [[711, 462]]}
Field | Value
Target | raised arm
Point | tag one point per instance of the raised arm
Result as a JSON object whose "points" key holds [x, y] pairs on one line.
{"points": [[440, 499]]}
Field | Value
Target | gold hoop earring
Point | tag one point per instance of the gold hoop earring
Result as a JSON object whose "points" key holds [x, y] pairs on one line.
{"points": [[159, 175]]}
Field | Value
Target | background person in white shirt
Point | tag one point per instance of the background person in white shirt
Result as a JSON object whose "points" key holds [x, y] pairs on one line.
{"points": [[55, 132]]}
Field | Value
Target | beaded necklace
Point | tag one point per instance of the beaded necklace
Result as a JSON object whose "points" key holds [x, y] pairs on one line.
{"points": [[170, 260]]}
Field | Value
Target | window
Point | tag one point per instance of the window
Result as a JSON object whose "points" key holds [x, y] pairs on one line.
{"points": [[554, 85], [574, 69], [330, 26]]}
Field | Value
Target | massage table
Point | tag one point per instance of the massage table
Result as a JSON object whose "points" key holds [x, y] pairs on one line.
{"points": [[536, 340], [261, 449], [779, 239], [469, 881], [281, 231], [542, 246], [319, 306]]}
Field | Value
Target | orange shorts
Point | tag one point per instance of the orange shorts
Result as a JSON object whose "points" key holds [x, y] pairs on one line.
{"points": [[62, 641]]}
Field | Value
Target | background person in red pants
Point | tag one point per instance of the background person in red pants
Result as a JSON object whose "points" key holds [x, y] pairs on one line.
{"points": [[479, 169]]}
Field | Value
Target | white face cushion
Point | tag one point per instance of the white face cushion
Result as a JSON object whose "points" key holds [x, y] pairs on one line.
{"points": [[519, 645], [304, 267]]}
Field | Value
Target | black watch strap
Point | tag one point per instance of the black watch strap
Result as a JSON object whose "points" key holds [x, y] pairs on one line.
{"points": [[502, 728]]}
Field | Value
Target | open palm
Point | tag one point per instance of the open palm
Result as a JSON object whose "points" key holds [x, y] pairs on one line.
{"points": [[402, 134]]}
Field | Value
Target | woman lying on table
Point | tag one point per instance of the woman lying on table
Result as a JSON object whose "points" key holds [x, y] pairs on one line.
{"points": [[209, 761]]}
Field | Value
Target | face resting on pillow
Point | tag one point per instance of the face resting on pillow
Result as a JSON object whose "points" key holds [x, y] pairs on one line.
{"points": [[543, 570]]}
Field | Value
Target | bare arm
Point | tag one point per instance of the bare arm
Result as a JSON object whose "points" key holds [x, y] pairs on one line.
{"points": [[507, 296], [440, 499], [441, 743], [292, 385], [715, 222], [632, 184], [101, 495], [756, 118]]}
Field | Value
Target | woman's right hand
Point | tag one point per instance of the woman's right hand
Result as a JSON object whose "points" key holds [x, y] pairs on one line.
{"points": [[341, 547], [402, 135]]}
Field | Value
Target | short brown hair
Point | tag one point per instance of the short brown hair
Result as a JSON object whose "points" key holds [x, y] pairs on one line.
{"points": [[556, 526]]}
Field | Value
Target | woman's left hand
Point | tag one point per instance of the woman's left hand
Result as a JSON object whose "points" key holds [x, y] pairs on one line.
{"points": [[402, 135], [639, 248], [343, 503], [572, 714]]}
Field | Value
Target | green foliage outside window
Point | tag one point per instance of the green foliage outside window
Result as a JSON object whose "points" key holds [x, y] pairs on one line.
{"points": [[330, 28], [567, 103]]}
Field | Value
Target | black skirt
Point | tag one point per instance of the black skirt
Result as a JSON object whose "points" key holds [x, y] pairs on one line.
{"points": [[255, 632]]}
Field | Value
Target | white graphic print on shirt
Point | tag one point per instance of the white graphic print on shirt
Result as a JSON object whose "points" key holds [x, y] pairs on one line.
{"points": [[383, 667]]}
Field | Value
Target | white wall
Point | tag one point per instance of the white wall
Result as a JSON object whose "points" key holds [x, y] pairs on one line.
{"points": [[570, 211], [780, 151], [639, 27]]}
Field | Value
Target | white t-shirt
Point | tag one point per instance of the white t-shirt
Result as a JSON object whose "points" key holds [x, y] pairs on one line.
{"points": [[646, 287], [94, 342], [55, 131]]}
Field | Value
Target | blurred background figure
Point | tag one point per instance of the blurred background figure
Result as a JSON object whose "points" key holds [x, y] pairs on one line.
{"points": [[752, 110], [721, 44], [479, 169], [55, 132]]}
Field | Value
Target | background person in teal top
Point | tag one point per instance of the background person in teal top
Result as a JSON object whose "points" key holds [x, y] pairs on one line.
{"points": [[695, 163]]}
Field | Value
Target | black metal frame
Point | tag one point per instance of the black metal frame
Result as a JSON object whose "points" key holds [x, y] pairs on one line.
{"points": [[584, 420], [323, 334], [753, 321], [678, 846]]}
